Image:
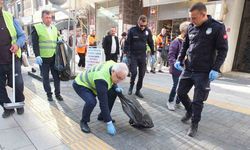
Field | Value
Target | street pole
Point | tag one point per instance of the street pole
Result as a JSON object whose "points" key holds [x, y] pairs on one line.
{"points": [[74, 43]]}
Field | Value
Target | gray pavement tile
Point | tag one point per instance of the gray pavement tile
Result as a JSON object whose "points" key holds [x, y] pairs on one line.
{"points": [[60, 147], [7, 123], [29, 147], [13, 139], [42, 138], [28, 120]]}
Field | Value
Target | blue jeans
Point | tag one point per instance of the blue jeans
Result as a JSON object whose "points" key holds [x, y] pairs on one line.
{"points": [[173, 90]]}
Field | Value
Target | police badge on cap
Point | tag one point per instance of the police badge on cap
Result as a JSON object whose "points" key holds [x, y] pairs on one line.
{"points": [[209, 31]]}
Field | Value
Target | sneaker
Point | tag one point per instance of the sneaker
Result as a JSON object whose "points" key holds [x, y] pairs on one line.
{"points": [[20, 111], [7, 113], [193, 130], [59, 98], [186, 118], [84, 127], [160, 71], [139, 94], [171, 105]]}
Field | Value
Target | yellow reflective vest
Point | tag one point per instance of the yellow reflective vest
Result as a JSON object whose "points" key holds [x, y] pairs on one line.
{"points": [[100, 71], [8, 18], [47, 41]]}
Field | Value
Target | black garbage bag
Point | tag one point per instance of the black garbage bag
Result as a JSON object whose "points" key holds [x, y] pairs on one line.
{"points": [[62, 60], [139, 117]]}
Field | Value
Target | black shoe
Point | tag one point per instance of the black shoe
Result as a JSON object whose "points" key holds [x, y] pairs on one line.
{"points": [[139, 94], [50, 98], [186, 117], [59, 98], [152, 71], [193, 130], [101, 119], [20, 111], [7, 113], [84, 127], [130, 90], [160, 71]]}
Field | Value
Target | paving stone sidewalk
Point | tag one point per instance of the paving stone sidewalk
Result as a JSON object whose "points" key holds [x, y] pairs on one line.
{"points": [[220, 128]]}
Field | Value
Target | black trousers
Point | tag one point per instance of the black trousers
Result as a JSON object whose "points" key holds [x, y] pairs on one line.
{"points": [[111, 57], [48, 66], [81, 62], [140, 62], [6, 76], [201, 84]]}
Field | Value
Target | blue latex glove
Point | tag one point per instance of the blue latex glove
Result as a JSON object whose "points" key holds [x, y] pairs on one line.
{"points": [[119, 90], [213, 75], [39, 60], [178, 66], [125, 59], [111, 128]]}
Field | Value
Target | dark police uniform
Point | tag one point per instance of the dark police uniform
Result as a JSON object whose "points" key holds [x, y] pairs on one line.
{"points": [[135, 46], [205, 48]]}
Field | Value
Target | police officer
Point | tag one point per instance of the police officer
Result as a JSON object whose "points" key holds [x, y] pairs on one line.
{"points": [[100, 80], [44, 39], [205, 48], [12, 39], [135, 46]]}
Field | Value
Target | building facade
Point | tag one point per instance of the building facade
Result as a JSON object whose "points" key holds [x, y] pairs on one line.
{"points": [[170, 13]]}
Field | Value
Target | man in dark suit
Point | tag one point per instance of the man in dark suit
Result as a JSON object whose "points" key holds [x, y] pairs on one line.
{"points": [[111, 45]]}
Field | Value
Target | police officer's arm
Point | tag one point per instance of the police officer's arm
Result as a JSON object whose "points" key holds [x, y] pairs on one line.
{"points": [[35, 42], [183, 50], [128, 41], [150, 42], [20, 34], [102, 94], [221, 48]]}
